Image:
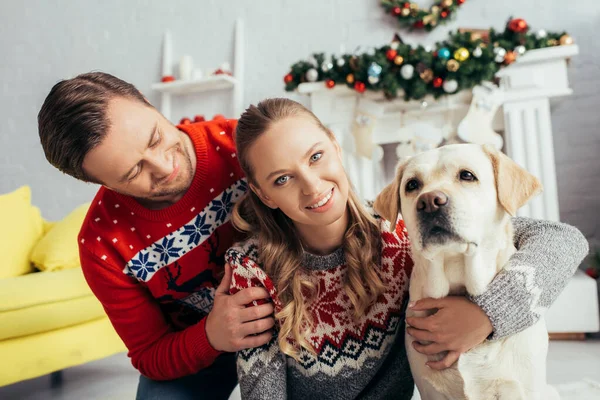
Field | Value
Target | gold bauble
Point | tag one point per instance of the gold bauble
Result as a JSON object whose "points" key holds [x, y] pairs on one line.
{"points": [[398, 60], [461, 54], [350, 78], [405, 12], [414, 6], [446, 3], [435, 10], [427, 75], [452, 65], [566, 40]]}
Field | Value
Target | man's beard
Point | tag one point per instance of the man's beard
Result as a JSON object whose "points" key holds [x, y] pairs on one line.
{"points": [[180, 188]]}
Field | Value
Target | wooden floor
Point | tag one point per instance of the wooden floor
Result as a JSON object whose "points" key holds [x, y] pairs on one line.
{"points": [[115, 379]]}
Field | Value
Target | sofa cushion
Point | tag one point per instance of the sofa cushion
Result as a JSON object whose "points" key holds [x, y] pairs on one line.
{"points": [[21, 226], [44, 301], [58, 248]]}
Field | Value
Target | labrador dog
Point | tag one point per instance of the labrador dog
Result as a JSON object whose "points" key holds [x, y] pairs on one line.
{"points": [[457, 202]]}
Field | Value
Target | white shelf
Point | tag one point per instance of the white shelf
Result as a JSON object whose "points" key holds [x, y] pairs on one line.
{"points": [[210, 83], [207, 84]]}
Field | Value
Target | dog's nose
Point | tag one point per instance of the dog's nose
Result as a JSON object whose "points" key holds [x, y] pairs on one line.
{"points": [[432, 201]]}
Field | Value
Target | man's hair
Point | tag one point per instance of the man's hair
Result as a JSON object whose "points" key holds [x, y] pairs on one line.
{"points": [[73, 119]]}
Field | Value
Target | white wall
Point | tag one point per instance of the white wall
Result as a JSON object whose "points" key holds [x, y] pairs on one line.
{"points": [[43, 41]]}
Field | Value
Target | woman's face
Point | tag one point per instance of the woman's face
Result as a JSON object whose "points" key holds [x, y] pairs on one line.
{"points": [[297, 168]]}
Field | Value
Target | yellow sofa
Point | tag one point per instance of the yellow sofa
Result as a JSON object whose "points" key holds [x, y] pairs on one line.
{"points": [[49, 320]]}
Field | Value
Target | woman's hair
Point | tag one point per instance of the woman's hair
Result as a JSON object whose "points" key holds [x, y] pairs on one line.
{"points": [[280, 248]]}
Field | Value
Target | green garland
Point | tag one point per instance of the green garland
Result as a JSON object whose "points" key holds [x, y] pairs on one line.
{"points": [[409, 14], [458, 63]]}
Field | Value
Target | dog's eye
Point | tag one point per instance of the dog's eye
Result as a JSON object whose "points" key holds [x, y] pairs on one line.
{"points": [[467, 176], [411, 185]]}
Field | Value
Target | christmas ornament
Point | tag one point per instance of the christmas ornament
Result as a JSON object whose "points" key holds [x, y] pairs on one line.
{"points": [[396, 11], [373, 80], [520, 50], [477, 52], [350, 78], [326, 66], [426, 75], [459, 2], [405, 12], [374, 70], [437, 82], [312, 75], [391, 54], [419, 24], [566, 40], [359, 87], [510, 57], [398, 60], [167, 78], [330, 83], [444, 53], [444, 14], [288, 78], [461, 54], [446, 3], [541, 34], [518, 25], [450, 86], [340, 62], [452, 65], [407, 71], [552, 42], [499, 53]]}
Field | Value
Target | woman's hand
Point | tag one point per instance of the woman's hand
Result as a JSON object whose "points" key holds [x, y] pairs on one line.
{"points": [[457, 326]]}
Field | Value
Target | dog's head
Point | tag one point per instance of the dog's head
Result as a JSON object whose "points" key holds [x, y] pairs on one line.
{"points": [[452, 194]]}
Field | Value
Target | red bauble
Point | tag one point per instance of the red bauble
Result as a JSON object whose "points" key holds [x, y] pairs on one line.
{"points": [[391, 54], [396, 11], [444, 14], [438, 82], [419, 24], [330, 83], [288, 78], [199, 118], [406, 5], [518, 25], [592, 272], [167, 78], [459, 2], [185, 121], [359, 87]]}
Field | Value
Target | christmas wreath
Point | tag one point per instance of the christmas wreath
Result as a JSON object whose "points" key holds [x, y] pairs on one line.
{"points": [[462, 61], [409, 14]]}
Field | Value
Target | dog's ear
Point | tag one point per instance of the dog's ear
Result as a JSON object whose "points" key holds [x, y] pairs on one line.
{"points": [[387, 203], [514, 185]]}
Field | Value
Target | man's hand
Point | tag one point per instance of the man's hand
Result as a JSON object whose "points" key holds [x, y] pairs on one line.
{"points": [[231, 326], [456, 327]]}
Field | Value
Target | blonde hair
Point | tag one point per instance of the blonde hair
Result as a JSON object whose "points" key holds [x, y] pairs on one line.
{"points": [[280, 248]]}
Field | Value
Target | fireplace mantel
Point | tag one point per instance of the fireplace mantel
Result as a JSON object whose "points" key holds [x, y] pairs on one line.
{"points": [[527, 85]]}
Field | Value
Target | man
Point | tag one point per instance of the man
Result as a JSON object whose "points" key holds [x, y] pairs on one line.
{"points": [[153, 241]]}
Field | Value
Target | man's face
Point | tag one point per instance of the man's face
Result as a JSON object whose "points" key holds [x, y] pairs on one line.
{"points": [[142, 155]]}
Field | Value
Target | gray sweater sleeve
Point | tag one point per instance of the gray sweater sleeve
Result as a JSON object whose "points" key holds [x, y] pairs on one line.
{"points": [[548, 253], [262, 372]]}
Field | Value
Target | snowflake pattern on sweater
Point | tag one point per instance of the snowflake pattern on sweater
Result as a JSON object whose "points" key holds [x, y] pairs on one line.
{"points": [[349, 352]]}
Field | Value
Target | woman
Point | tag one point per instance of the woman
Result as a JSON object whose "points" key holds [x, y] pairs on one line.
{"points": [[338, 279]]}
